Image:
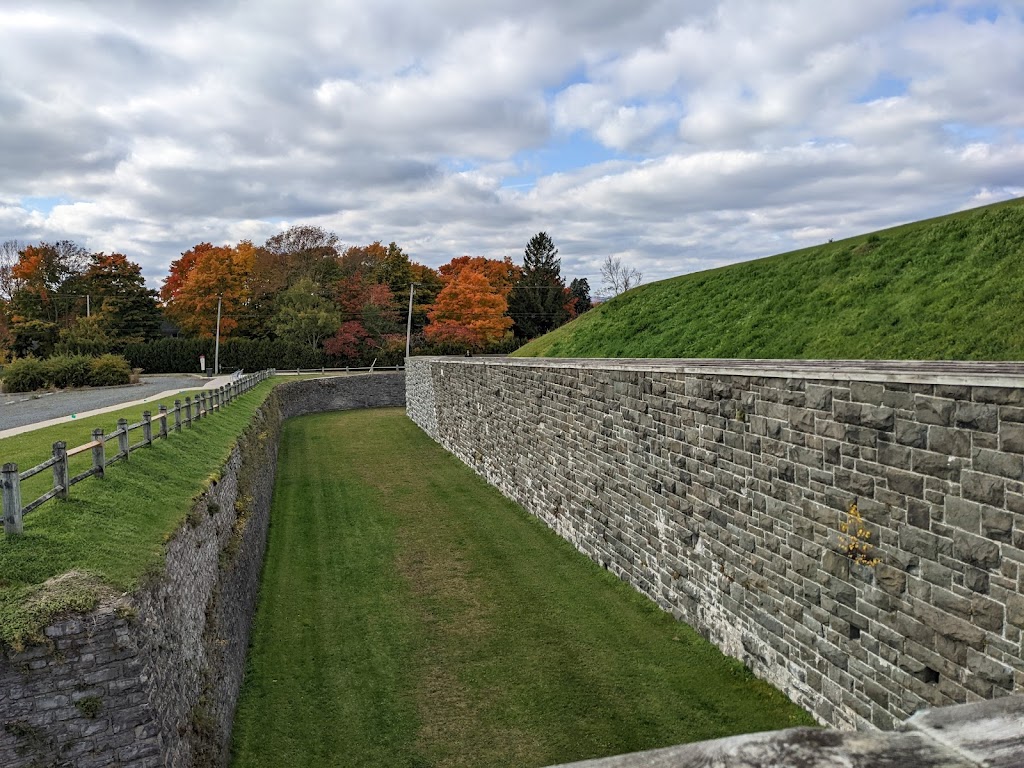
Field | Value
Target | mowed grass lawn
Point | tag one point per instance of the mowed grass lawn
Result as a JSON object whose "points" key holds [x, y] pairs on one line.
{"points": [[412, 616]]}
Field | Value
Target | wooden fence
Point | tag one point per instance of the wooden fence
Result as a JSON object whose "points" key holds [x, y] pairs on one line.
{"points": [[346, 369], [205, 403]]}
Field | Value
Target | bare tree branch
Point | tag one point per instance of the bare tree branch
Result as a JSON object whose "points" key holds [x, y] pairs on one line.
{"points": [[618, 277]]}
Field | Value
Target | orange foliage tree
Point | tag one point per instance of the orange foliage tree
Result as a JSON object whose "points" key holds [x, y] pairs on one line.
{"points": [[470, 309], [199, 277]]}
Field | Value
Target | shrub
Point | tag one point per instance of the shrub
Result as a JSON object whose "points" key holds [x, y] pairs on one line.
{"points": [[68, 370], [25, 375], [110, 370]]}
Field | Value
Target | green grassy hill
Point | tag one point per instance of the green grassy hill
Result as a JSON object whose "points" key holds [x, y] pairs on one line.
{"points": [[950, 288]]}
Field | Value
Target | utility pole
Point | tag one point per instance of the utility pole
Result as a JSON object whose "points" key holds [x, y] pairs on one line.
{"points": [[216, 347], [87, 312], [408, 325]]}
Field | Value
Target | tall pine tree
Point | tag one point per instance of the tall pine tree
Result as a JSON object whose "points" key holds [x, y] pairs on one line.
{"points": [[537, 302]]}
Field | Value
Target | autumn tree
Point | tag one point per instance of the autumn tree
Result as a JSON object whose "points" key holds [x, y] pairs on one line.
{"points": [[46, 282], [502, 274], [199, 277], [308, 251], [469, 309], [537, 302]]}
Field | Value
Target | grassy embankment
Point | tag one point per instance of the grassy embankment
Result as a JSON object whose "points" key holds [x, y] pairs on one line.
{"points": [[945, 288], [412, 616], [111, 532]]}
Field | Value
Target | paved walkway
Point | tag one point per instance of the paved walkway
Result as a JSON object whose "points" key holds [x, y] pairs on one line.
{"points": [[24, 412]]}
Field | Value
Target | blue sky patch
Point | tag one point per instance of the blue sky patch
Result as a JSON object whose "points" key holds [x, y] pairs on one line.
{"points": [[43, 204], [560, 155], [967, 134], [886, 86]]}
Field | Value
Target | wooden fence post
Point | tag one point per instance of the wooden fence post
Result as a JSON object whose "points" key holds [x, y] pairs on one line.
{"points": [[11, 483], [188, 412], [203, 408], [177, 415], [147, 428], [99, 459], [163, 421], [123, 449], [60, 469]]}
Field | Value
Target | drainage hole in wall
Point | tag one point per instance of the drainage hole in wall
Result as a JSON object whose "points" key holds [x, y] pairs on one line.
{"points": [[854, 632], [931, 676]]}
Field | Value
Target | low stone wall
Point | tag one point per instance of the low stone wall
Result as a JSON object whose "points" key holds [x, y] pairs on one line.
{"points": [[152, 678], [723, 490], [342, 393], [989, 734]]}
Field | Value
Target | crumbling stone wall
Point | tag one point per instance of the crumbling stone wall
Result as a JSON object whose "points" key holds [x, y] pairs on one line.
{"points": [[721, 490]]}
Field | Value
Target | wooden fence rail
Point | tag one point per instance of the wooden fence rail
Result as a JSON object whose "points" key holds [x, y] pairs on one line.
{"points": [[184, 414], [347, 369]]}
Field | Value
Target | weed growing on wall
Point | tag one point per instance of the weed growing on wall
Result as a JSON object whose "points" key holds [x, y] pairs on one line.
{"points": [[855, 539]]}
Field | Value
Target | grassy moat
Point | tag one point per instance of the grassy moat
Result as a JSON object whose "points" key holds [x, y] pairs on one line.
{"points": [[412, 616]]}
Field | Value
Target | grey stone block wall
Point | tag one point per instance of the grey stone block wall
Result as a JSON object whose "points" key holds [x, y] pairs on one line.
{"points": [[342, 393], [152, 678], [720, 491]]}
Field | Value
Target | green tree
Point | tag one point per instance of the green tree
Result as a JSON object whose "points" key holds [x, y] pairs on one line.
{"points": [[33, 337], [538, 299], [88, 336], [579, 296], [128, 309], [304, 316]]}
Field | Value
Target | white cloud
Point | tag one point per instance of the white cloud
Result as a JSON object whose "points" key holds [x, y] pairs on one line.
{"points": [[729, 130]]}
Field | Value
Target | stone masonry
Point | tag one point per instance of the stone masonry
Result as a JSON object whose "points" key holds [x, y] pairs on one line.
{"points": [[723, 490], [152, 678]]}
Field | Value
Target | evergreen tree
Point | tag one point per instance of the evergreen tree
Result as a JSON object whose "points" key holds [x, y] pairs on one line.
{"points": [[538, 299], [579, 294]]}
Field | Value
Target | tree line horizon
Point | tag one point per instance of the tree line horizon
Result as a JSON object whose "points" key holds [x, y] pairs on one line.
{"points": [[300, 286]]}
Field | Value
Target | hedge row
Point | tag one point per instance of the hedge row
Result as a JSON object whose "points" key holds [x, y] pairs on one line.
{"points": [[61, 371], [182, 356], [176, 355]]}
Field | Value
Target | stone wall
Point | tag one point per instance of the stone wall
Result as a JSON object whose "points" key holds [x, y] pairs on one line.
{"points": [[152, 678], [721, 489], [988, 733], [342, 393]]}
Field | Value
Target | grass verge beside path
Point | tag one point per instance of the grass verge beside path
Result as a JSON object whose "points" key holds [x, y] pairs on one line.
{"points": [[111, 532], [412, 616]]}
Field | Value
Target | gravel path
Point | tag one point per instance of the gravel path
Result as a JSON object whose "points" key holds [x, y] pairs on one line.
{"points": [[19, 409]]}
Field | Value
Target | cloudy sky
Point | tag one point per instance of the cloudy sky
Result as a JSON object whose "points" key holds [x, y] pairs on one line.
{"points": [[676, 134]]}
